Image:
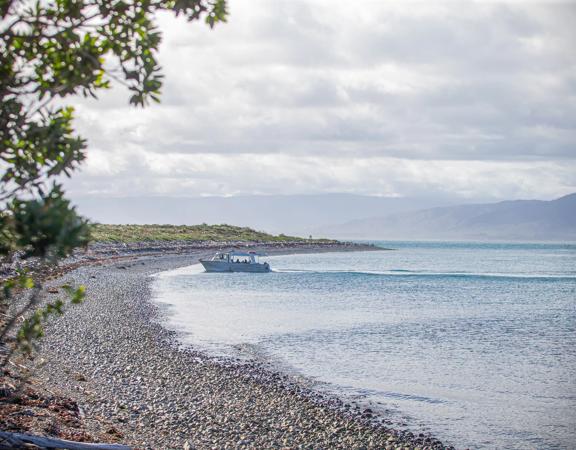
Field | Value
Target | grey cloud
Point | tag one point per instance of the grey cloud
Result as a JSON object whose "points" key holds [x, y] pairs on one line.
{"points": [[473, 82]]}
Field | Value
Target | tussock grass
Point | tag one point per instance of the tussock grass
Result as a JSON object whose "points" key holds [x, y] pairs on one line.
{"points": [[136, 233]]}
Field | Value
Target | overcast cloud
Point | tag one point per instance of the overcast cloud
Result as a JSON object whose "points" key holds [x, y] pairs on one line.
{"points": [[472, 99]]}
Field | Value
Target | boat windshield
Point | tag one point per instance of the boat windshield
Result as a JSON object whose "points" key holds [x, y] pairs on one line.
{"points": [[221, 257], [237, 257]]}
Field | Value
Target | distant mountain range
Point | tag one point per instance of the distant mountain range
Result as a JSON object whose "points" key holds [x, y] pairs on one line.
{"points": [[289, 214], [348, 216], [508, 220]]}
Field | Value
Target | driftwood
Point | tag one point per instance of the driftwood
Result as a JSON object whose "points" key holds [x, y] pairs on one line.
{"points": [[17, 440]]}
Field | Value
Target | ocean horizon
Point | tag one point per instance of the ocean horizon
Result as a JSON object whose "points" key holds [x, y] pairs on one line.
{"points": [[473, 342]]}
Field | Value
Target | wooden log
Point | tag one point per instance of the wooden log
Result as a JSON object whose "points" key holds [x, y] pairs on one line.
{"points": [[18, 440]]}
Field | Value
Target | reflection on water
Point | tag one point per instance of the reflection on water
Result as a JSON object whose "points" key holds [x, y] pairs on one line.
{"points": [[474, 342]]}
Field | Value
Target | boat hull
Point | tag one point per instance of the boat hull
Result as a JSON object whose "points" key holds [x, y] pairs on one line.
{"points": [[224, 266]]}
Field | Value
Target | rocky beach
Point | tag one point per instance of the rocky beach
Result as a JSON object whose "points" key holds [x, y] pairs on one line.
{"points": [[134, 383]]}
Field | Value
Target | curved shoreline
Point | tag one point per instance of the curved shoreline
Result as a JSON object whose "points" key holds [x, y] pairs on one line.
{"points": [[115, 359]]}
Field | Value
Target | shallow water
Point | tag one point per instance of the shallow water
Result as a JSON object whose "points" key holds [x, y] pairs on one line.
{"points": [[474, 342]]}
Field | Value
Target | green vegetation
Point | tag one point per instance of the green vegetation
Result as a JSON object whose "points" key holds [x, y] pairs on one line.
{"points": [[135, 233], [51, 50]]}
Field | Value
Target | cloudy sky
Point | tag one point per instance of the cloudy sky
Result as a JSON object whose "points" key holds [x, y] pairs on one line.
{"points": [[475, 100]]}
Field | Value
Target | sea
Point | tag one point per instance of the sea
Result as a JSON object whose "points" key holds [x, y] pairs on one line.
{"points": [[472, 342]]}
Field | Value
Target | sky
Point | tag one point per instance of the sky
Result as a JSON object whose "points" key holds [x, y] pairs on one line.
{"points": [[472, 100]]}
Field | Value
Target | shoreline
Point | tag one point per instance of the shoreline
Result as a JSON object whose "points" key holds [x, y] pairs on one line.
{"points": [[115, 359], [108, 252]]}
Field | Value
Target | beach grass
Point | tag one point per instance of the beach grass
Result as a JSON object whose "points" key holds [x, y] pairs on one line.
{"points": [[203, 232]]}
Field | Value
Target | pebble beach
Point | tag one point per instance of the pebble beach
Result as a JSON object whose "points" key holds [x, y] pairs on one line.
{"points": [[114, 358]]}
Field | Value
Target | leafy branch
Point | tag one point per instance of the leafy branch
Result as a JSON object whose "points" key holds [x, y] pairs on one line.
{"points": [[54, 49]]}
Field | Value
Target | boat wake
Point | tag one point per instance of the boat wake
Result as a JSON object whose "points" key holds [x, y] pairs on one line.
{"points": [[197, 269], [428, 273]]}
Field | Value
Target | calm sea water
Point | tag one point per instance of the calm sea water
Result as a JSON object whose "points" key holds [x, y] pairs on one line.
{"points": [[473, 342]]}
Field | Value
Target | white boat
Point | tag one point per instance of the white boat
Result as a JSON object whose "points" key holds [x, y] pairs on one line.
{"points": [[235, 262]]}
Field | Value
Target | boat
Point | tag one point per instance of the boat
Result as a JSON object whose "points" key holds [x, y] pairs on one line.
{"points": [[235, 261]]}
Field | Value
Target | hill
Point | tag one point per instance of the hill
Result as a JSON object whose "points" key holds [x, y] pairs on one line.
{"points": [[508, 220], [143, 233]]}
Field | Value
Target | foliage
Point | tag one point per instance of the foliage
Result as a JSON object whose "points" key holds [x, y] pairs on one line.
{"points": [[134, 233], [47, 227], [57, 48], [50, 50]]}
